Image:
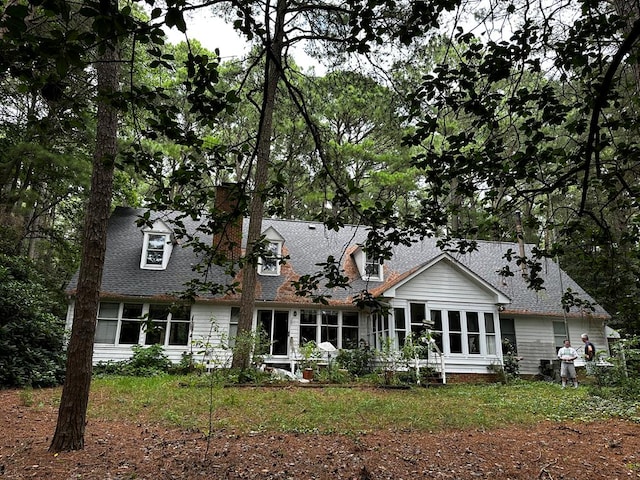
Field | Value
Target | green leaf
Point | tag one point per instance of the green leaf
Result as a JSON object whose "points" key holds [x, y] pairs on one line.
{"points": [[175, 18]]}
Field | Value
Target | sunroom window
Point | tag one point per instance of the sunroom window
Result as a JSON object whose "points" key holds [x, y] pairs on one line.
{"points": [[468, 332]]}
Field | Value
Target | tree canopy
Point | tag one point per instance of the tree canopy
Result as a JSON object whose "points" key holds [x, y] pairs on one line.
{"points": [[439, 118]]}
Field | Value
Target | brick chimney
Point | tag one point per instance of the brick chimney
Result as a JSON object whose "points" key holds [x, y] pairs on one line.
{"points": [[227, 238]]}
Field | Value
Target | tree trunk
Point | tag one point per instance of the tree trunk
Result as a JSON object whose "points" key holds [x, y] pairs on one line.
{"points": [[273, 65], [69, 434]]}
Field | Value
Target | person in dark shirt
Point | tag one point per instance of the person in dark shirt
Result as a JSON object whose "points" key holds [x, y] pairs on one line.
{"points": [[589, 348]]}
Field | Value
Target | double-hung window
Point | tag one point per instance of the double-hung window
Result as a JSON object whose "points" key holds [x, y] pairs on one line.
{"points": [[167, 325], [156, 247], [508, 330], [350, 323], [455, 331], [560, 334], [490, 329], [401, 325], [373, 267], [269, 264], [107, 326], [473, 333], [339, 328], [130, 324], [436, 328], [369, 265], [463, 332], [147, 324], [156, 325]]}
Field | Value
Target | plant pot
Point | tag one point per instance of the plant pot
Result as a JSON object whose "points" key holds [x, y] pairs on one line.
{"points": [[307, 373]]}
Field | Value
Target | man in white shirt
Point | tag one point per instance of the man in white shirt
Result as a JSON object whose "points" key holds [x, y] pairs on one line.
{"points": [[567, 355]]}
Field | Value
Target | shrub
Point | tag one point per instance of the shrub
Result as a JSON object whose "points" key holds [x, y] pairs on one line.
{"points": [[621, 372], [31, 336], [186, 365], [357, 361], [148, 361], [509, 369], [145, 362]]}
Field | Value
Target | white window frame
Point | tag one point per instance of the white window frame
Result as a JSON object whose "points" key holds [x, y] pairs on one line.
{"points": [[560, 333], [169, 322], [370, 269], [148, 247], [270, 266], [318, 320], [141, 340], [375, 265], [443, 334]]}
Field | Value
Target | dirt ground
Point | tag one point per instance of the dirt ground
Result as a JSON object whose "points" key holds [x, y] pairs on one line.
{"points": [[607, 450]]}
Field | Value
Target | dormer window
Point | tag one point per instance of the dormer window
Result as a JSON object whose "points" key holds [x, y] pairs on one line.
{"points": [[369, 266], [156, 248], [373, 267], [270, 263]]}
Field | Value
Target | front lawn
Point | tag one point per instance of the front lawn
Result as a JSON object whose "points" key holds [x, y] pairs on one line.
{"points": [[176, 401]]}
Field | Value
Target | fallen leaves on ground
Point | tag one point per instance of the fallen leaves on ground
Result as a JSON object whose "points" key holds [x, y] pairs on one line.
{"points": [[114, 450]]}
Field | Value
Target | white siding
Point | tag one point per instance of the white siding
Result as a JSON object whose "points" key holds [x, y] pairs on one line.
{"points": [[210, 326], [210, 329], [444, 287], [443, 283], [535, 341]]}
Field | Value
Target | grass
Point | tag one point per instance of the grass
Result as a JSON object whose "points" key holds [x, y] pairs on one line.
{"points": [[175, 401]]}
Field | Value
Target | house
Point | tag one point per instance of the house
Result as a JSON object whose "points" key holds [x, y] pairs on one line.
{"points": [[472, 308]]}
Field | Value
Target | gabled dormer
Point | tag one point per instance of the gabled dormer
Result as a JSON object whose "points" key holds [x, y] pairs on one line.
{"points": [[157, 245], [369, 267], [269, 264]]}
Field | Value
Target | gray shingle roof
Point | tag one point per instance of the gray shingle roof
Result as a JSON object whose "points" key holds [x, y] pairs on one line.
{"points": [[307, 244]]}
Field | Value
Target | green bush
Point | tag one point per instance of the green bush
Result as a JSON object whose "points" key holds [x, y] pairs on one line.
{"points": [[357, 361], [621, 374], [145, 362], [31, 335], [186, 365]]}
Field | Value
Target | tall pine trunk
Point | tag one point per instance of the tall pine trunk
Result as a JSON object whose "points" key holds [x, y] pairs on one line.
{"points": [[70, 429], [273, 66]]}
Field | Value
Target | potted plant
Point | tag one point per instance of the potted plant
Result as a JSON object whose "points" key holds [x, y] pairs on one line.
{"points": [[311, 354]]}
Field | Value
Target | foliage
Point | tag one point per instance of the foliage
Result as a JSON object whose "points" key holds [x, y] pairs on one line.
{"points": [[418, 345], [145, 362], [619, 376], [509, 369], [31, 336], [254, 344], [311, 354], [176, 401], [332, 375], [357, 361], [185, 366]]}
